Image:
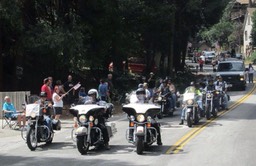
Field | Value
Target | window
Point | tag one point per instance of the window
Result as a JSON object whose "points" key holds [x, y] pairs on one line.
{"points": [[245, 36]]}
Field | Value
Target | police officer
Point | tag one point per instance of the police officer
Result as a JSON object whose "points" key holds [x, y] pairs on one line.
{"points": [[93, 93], [141, 96]]}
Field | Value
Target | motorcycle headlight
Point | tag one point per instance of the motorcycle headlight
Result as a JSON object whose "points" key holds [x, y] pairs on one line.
{"points": [[208, 95], [190, 102], [96, 121], [140, 118], [91, 118], [132, 118], [241, 78], [159, 98], [33, 115], [82, 119]]}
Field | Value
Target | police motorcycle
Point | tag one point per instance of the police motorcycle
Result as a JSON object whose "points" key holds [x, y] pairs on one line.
{"points": [[210, 99], [90, 118], [142, 131], [38, 131], [191, 107]]}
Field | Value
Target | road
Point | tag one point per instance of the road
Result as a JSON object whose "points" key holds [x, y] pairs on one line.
{"points": [[226, 140]]}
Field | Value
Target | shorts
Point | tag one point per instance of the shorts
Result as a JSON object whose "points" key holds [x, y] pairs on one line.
{"points": [[57, 110]]}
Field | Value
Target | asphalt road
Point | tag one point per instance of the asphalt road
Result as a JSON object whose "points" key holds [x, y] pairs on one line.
{"points": [[227, 140]]}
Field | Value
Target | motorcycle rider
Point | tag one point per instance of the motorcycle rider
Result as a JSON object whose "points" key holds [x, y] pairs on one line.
{"points": [[141, 96], [222, 86], [94, 99], [164, 89], [193, 88], [45, 103]]}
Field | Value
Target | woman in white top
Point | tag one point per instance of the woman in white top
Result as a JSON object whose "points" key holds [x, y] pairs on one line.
{"points": [[57, 102]]}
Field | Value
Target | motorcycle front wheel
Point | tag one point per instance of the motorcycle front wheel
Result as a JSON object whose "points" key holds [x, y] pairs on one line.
{"points": [[31, 139], [208, 114], [140, 145], [189, 119], [82, 144]]}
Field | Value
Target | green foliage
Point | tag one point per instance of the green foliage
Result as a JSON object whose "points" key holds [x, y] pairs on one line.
{"points": [[253, 32], [222, 31]]}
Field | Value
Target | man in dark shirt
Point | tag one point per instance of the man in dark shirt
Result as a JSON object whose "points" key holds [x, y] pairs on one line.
{"points": [[71, 95]]}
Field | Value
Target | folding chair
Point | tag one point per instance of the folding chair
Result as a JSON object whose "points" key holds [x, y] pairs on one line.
{"points": [[7, 121]]}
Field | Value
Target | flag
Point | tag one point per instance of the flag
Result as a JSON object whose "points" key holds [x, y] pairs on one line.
{"points": [[77, 86]]}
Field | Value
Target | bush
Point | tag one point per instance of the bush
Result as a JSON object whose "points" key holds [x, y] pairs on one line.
{"points": [[252, 58]]}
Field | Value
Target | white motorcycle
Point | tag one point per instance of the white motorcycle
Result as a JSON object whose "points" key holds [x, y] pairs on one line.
{"points": [[142, 131], [192, 112], [91, 117]]}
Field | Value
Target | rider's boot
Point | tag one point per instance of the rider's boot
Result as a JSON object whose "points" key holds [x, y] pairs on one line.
{"points": [[181, 122]]}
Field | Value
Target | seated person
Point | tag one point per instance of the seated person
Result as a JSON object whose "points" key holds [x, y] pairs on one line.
{"points": [[10, 112]]}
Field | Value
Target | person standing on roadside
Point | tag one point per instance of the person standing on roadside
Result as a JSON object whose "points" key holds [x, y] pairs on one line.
{"points": [[110, 86], [51, 84], [67, 86], [46, 88], [250, 73], [103, 90], [57, 103], [201, 63], [151, 83]]}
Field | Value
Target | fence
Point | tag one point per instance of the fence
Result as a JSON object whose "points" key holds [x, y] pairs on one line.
{"points": [[17, 98]]}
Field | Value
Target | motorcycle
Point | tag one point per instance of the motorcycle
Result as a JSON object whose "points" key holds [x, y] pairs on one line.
{"points": [[141, 133], [192, 110], [89, 132], [163, 101], [38, 131], [210, 105]]}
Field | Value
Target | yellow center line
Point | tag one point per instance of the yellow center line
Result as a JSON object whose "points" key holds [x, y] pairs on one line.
{"points": [[178, 146]]}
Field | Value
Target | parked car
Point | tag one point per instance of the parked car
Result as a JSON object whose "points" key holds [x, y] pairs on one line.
{"points": [[233, 72], [239, 56], [209, 55]]}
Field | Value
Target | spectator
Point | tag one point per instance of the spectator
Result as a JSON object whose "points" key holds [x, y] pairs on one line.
{"points": [[57, 103], [103, 90], [201, 64], [151, 83], [11, 112], [45, 88], [110, 87], [250, 73], [67, 86], [81, 93], [51, 84], [61, 87]]}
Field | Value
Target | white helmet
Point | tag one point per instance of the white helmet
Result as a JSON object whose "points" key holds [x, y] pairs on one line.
{"points": [[93, 91]]}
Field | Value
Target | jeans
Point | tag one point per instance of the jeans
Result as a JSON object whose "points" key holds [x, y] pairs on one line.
{"points": [[48, 122], [250, 77]]}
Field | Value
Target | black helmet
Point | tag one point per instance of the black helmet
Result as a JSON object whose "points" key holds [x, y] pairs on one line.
{"points": [[140, 91], [43, 94]]}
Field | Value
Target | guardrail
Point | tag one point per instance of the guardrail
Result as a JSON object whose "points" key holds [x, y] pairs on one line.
{"points": [[17, 98]]}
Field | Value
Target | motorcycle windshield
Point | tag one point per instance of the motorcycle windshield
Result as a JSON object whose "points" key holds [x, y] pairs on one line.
{"points": [[88, 109], [188, 96], [148, 109]]}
